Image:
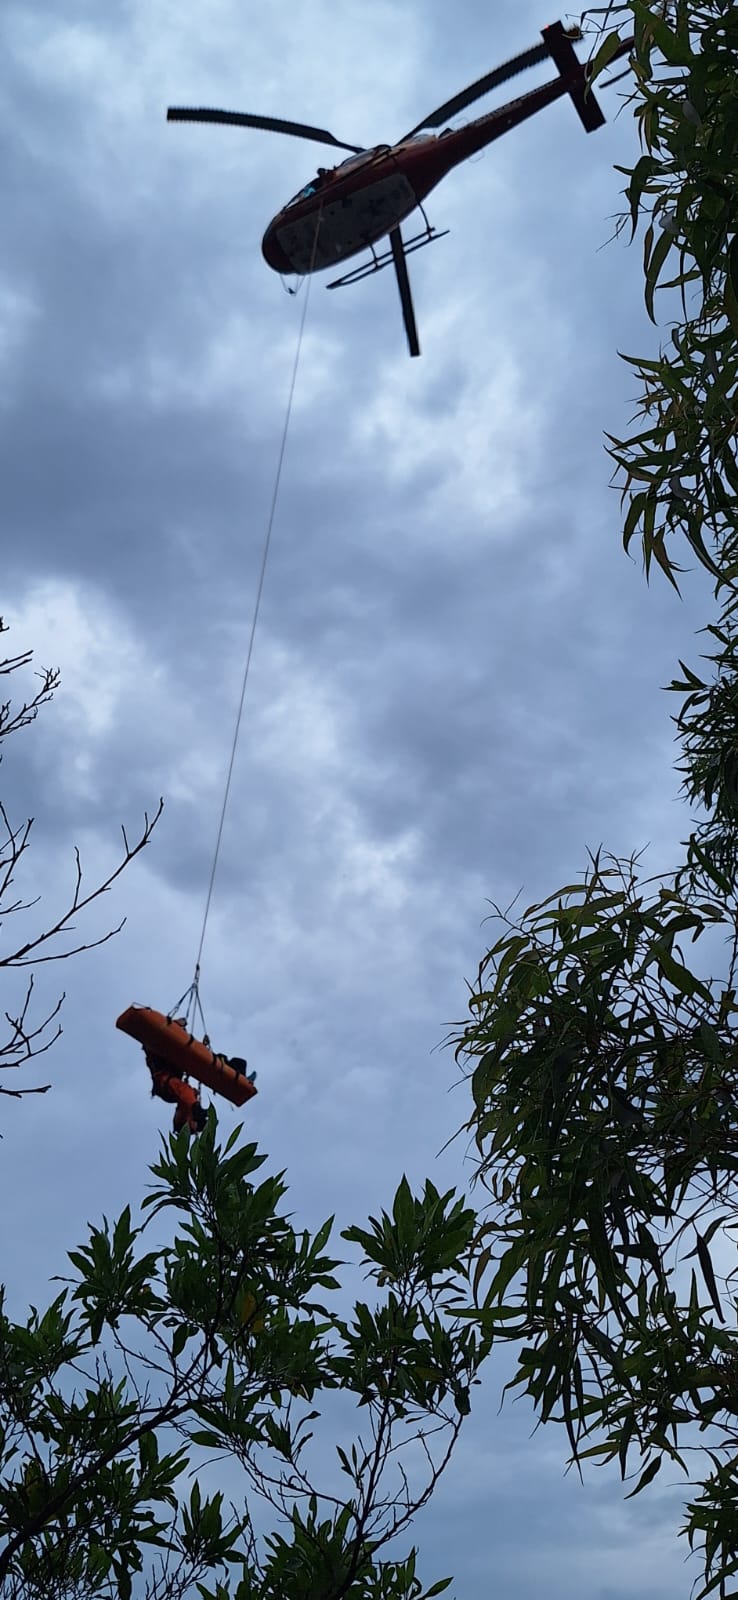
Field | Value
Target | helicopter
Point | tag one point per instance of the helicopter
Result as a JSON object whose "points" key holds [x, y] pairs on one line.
{"points": [[351, 207]]}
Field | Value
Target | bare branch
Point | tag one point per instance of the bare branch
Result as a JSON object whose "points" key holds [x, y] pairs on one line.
{"points": [[11, 720], [26, 1041], [23, 957]]}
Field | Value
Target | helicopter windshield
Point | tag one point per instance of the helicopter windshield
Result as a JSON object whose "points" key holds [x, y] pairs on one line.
{"points": [[304, 194], [324, 173]]}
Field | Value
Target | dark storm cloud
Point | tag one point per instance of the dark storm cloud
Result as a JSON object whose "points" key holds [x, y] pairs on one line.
{"points": [[455, 687]]}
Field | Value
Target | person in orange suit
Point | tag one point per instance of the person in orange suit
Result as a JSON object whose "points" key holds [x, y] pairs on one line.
{"points": [[167, 1083]]}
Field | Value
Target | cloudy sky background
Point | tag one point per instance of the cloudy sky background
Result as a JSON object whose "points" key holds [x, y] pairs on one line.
{"points": [[455, 688]]}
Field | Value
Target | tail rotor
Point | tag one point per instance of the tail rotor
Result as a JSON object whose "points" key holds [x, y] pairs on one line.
{"points": [[560, 48]]}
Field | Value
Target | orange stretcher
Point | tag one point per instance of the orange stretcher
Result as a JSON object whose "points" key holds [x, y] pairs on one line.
{"points": [[163, 1037]]}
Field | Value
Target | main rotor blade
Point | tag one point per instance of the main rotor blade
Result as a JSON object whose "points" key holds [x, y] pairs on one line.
{"points": [[403, 284], [529, 58], [243, 119]]}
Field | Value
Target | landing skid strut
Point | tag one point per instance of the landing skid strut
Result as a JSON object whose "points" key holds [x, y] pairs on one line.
{"points": [[395, 256]]}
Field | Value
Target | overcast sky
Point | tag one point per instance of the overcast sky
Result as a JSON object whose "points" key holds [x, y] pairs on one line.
{"points": [[456, 683]]}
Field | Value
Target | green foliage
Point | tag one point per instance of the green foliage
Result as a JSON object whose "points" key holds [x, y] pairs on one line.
{"points": [[604, 1074], [223, 1341], [680, 472], [603, 1066], [707, 722]]}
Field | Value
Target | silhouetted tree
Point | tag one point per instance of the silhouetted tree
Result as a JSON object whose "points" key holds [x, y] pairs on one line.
{"points": [[27, 1037]]}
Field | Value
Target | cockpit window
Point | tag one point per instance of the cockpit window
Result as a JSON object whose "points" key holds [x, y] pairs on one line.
{"points": [[323, 173], [303, 194]]}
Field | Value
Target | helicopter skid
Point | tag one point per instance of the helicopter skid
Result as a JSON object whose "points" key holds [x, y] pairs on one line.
{"points": [[378, 262]]}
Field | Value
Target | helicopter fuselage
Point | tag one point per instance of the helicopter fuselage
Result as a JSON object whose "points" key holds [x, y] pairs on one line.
{"points": [[347, 208]]}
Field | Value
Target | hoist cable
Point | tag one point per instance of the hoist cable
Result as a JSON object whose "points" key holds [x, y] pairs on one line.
{"points": [[194, 991], [190, 1000]]}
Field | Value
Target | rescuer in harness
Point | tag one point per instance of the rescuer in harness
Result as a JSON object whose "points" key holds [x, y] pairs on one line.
{"points": [[168, 1083]]}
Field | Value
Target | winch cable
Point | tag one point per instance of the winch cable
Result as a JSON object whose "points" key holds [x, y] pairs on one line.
{"points": [[192, 995]]}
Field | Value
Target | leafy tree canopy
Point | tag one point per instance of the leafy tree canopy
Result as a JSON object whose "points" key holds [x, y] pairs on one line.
{"points": [[225, 1345], [602, 1058]]}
